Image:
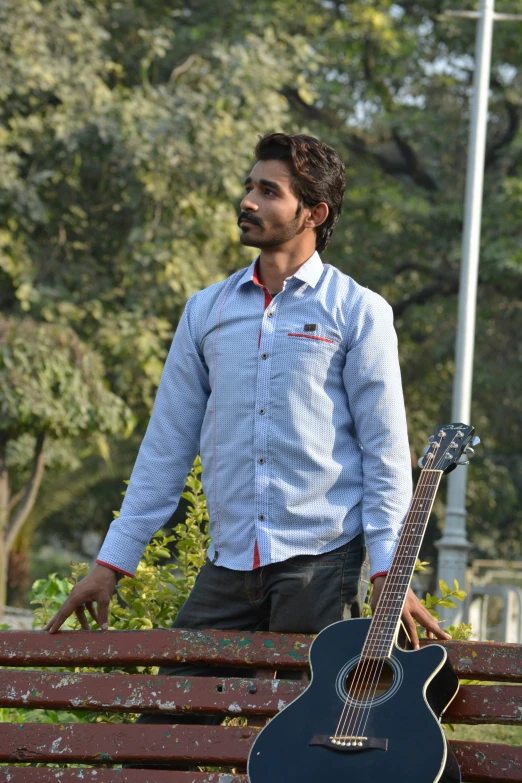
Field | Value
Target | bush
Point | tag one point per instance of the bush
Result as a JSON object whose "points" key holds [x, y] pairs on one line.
{"points": [[153, 597]]}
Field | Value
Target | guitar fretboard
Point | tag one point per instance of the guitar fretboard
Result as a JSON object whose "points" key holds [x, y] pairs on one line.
{"points": [[385, 621]]}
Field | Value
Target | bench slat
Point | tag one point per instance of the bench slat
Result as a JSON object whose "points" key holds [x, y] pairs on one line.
{"points": [[155, 647], [478, 704], [143, 693], [71, 742], [488, 762], [121, 693], [473, 660], [106, 743], [85, 775]]}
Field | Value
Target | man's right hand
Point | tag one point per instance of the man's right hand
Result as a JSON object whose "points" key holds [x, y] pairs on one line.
{"points": [[96, 588]]}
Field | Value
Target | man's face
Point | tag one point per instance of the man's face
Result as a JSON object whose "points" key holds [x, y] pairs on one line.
{"points": [[270, 214]]}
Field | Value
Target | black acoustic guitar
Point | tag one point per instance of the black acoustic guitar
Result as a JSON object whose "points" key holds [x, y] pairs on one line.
{"points": [[371, 713]]}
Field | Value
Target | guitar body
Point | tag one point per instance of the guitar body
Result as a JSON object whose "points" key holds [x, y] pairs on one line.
{"points": [[404, 717]]}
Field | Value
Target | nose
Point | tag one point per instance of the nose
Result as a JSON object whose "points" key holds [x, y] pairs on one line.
{"points": [[248, 204]]}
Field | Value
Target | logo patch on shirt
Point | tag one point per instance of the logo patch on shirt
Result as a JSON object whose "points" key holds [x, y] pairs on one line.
{"points": [[310, 327]]}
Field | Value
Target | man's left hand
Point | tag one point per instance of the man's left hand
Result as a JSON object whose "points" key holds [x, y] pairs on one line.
{"points": [[413, 610]]}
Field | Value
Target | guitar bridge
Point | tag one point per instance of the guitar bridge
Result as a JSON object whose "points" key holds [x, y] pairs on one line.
{"points": [[349, 743]]}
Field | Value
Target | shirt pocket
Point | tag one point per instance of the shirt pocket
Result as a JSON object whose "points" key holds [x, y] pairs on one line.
{"points": [[312, 337]]}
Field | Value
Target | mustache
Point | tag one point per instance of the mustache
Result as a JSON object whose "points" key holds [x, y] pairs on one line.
{"points": [[250, 218]]}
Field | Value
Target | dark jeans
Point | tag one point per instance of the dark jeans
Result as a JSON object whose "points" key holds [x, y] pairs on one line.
{"points": [[301, 595]]}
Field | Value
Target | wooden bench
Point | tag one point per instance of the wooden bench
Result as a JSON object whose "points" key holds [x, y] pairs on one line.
{"points": [[101, 745]]}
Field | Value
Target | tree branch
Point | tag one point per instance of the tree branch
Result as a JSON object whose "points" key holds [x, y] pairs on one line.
{"points": [[509, 135], [15, 500], [29, 496], [409, 165], [443, 287]]}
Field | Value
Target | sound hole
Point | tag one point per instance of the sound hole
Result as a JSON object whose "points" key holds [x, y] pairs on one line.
{"points": [[369, 679]]}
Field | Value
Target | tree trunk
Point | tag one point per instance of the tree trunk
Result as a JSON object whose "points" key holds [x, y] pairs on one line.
{"points": [[24, 508], [10, 527]]}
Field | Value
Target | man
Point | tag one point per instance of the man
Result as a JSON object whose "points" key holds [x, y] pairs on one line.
{"points": [[285, 378]]}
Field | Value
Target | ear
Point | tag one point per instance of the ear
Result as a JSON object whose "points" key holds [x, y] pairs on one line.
{"points": [[317, 215]]}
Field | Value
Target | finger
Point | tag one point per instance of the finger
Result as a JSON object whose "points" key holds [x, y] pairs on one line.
{"points": [[80, 614], [89, 605], [430, 624], [103, 615], [61, 616], [411, 629], [423, 617]]}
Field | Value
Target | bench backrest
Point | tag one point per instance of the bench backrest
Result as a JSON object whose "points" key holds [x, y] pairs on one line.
{"points": [[256, 698]]}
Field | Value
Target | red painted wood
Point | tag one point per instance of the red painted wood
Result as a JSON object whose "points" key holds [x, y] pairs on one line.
{"points": [[155, 647], [86, 775], [488, 661], [106, 743], [474, 704], [145, 693], [473, 660], [488, 762]]}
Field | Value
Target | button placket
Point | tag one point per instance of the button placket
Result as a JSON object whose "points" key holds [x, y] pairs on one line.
{"points": [[261, 419]]}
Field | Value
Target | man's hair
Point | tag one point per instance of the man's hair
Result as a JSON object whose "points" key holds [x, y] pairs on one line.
{"points": [[316, 174]]}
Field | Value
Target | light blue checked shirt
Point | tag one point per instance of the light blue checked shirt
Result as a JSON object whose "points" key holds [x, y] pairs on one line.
{"points": [[297, 411]]}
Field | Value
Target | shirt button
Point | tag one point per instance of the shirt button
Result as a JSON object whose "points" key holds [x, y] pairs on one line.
{"points": [[261, 411], [261, 460], [264, 356], [270, 314], [261, 517]]}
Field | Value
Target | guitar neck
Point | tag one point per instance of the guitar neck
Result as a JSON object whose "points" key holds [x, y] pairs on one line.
{"points": [[385, 621]]}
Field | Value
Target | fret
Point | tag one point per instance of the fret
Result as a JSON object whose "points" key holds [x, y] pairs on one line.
{"points": [[387, 615]]}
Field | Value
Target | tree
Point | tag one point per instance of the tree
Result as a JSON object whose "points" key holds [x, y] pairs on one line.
{"points": [[126, 131], [51, 386]]}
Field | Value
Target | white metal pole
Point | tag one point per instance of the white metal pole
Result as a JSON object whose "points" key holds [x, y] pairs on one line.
{"points": [[453, 546]]}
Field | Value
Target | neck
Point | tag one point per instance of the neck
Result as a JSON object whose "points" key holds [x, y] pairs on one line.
{"points": [[275, 265]]}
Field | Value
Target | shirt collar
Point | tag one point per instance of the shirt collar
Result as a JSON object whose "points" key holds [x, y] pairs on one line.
{"points": [[310, 272]]}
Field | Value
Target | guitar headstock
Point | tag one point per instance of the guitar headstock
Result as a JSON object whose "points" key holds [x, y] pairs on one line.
{"points": [[451, 445]]}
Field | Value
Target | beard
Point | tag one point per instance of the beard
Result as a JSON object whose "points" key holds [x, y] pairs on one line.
{"points": [[261, 237]]}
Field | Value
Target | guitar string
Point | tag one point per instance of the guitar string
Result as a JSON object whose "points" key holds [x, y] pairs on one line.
{"points": [[373, 666], [365, 671], [386, 605], [370, 663], [370, 670], [439, 459], [379, 647], [402, 592]]}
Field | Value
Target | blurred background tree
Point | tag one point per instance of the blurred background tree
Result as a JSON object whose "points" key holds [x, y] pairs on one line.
{"points": [[126, 130], [51, 386]]}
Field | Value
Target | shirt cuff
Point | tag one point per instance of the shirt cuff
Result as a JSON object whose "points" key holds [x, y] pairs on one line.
{"points": [[380, 573], [114, 568], [120, 551], [380, 552]]}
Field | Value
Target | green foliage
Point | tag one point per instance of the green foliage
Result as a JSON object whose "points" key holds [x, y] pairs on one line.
{"points": [[153, 597], [447, 599], [126, 130], [50, 382]]}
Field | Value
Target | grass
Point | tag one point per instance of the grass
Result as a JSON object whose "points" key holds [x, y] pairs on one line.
{"points": [[508, 735]]}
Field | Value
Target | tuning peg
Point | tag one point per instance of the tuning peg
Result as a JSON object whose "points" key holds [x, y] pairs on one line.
{"points": [[475, 441], [426, 449], [421, 462], [469, 451], [463, 461]]}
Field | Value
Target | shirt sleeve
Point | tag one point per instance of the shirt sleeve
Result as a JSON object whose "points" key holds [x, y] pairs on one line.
{"points": [[166, 455], [372, 381]]}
